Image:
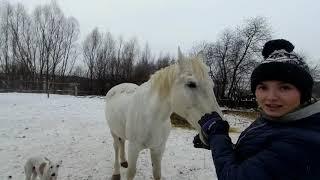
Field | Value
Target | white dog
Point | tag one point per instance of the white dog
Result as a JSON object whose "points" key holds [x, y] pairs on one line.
{"points": [[42, 167]]}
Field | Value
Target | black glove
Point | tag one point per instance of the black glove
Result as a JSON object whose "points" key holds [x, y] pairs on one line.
{"points": [[212, 123], [197, 143]]}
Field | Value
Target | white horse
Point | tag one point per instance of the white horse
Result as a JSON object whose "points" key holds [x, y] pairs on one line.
{"points": [[141, 114]]}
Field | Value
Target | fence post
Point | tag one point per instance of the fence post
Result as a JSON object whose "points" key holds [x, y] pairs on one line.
{"points": [[76, 89], [20, 84], [74, 86], [44, 86]]}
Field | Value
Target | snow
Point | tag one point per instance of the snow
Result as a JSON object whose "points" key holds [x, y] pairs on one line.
{"points": [[74, 130]]}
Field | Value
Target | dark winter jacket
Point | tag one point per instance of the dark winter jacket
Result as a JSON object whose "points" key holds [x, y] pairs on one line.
{"points": [[272, 149]]}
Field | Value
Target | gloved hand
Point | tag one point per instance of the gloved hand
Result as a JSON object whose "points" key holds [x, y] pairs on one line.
{"points": [[197, 143], [212, 124]]}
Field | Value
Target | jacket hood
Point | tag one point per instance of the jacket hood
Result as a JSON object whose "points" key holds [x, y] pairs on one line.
{"points": [[299, 114], [303, 112]]}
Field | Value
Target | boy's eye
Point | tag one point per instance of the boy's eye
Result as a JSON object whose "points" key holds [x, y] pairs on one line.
{"points": [[261, 87], [284, 88], [287, 86]]}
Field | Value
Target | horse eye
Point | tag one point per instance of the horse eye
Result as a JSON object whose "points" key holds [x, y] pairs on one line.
{"points": [[191, 84], [51, 167], [58, 166]]}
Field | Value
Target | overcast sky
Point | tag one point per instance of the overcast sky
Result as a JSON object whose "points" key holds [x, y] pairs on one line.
{"points": [[165, 24]]}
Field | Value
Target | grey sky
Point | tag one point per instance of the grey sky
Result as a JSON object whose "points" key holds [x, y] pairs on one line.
{"points": [[165, 24]]}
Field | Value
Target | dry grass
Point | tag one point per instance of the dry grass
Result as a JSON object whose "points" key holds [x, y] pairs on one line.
{"points": [[234, 130], [252, 115], [178, 121]]}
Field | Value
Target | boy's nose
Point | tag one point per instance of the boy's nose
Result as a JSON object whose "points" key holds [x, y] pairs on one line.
{"points": [[272, 94]]}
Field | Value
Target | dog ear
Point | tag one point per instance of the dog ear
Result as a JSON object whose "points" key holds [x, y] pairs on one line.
{"points": [[41, 167], [59, 163]]}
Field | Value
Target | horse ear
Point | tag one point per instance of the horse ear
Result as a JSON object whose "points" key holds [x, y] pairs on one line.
{"points": [[181, 62], [180, 55], [41, 167], [59, 163], [45, 158]]}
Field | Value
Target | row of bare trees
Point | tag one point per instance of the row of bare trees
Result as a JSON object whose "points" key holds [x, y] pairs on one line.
{"points": [[44, 46], [110, 61], [37, 46]]}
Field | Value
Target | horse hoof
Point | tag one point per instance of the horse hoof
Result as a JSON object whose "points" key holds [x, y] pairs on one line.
{"points": [[124, 164], [115, 177]]}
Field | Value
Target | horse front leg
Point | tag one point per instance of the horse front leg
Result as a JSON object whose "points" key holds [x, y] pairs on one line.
{"points": [[156, 157], [133, 153]]}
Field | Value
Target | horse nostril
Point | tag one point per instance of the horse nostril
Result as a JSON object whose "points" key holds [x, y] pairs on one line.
{"points": [[53, 174]]}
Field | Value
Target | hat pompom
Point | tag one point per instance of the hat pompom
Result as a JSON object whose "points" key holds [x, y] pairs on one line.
{"points": [[276, 44]]}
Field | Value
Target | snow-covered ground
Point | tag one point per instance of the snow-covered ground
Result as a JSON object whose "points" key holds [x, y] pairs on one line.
{"points": [[74, 130]]}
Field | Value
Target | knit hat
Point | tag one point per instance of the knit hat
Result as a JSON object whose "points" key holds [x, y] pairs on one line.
{"points": [[281, 63]]}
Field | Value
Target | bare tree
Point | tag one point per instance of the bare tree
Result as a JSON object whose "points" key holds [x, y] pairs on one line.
{"points": [[314, 67], [128, 55], [233, 56], [315, 72], [23, 43], [117, 63], [48, 19], [247, 47], [65, 50], [91, 47], [59, 35], [6, 12], [220, 59], [199, 48], [78, 71], [55, 38], [163, 61], [70, 47], [217, 56], [107, 54], [144, 67]]}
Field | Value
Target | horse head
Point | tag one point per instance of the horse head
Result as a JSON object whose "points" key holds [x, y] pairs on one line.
{"points": [[191, 94]]}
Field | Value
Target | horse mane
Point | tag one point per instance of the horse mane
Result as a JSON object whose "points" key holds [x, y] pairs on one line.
{"points": [[163, 79]]}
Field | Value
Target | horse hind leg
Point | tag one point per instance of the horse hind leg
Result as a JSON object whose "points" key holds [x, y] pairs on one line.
{"points": [[116, 167], [123, 160]]}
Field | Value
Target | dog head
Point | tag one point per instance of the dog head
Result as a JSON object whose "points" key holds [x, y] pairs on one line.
{"points": [[49, 170]]}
